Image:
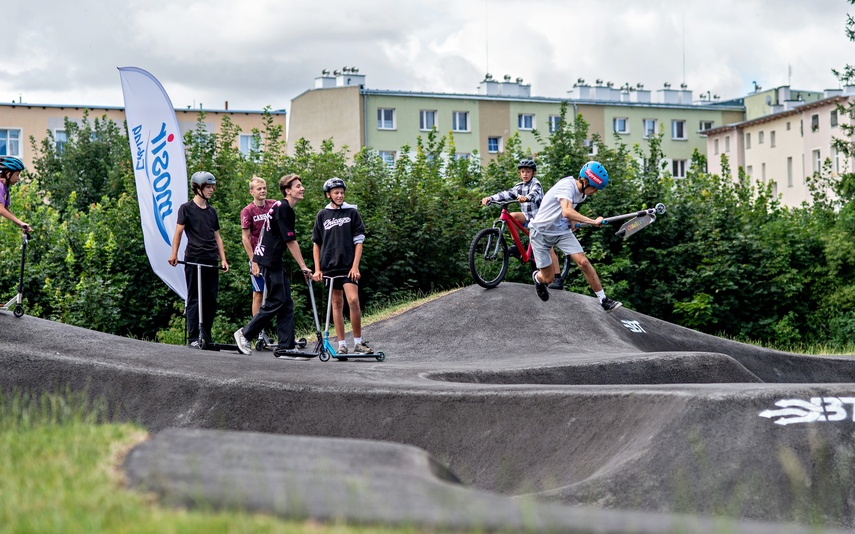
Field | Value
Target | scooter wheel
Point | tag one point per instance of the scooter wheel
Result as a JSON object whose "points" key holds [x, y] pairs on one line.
{"points": [[381, 356], [19, 311], [324, 356], [260, 345], [301, 343]]}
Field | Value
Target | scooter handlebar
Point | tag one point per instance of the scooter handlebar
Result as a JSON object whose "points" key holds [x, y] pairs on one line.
{"points": [[207, 265]]}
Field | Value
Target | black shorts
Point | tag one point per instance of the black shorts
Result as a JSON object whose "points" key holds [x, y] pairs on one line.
{"points": [[338, 283]]}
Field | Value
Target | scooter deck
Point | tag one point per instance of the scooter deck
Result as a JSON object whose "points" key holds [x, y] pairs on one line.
{"points": [[379, 356]]}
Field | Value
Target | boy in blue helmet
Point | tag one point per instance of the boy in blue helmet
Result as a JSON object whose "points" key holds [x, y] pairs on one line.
{"points": [[10, 172], [553, 227]]}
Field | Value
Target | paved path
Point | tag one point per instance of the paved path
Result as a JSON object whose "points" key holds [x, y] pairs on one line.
{"points": [[574, 415]]}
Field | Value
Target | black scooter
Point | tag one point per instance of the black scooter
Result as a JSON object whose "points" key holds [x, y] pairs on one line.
{"points": [[18, 299]]}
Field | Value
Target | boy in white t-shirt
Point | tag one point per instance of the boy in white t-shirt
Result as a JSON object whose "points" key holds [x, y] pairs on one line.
{"points": [[553, 227]]}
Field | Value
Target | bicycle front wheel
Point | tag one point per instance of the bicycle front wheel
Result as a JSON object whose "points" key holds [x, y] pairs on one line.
{"points": [[488, 258]]}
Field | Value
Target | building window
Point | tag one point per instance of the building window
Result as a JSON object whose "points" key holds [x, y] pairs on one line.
{"points": [[788, 126], [60, 137], [460, 121], [554, 123], [10, 142], [774, 189], [592, 147], [817, 160], [427, 120], [678, 168], [748, 140], [494, 144], [814, 123], [707, 125], [838, 160], [772, 139], [649, 128], [461, 155], [763, 172], [678, 130], [727, 143], [388, 157], [248, 143], [790, 171], [525, 121], [761, 135], [833, 117], [749, 170], [715, 144], [385, 119], [621, 125]]}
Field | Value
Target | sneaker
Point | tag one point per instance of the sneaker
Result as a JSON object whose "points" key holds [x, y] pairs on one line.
{"points": [[558, 283], [610, 305], [541, 289], [194, 344], [242, 344], [289, 354], [362, 348], [342, 349]]}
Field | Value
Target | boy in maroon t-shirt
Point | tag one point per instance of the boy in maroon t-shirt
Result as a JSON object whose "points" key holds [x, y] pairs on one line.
{"points": [[252, 219]]}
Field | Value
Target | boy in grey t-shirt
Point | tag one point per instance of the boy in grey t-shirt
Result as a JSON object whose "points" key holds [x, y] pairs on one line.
{"points": [[552, 227]]}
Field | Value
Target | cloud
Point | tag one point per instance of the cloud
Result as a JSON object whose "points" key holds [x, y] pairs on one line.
{"points": [[266, 52]]}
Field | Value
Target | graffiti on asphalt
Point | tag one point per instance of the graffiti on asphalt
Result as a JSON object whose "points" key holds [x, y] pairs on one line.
{"points": [[818, 409], [633, 326]]}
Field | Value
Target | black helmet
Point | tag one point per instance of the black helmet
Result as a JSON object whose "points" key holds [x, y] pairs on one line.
{"points": [[527, 163], [11, 164], [202, 178], [332, 183]]}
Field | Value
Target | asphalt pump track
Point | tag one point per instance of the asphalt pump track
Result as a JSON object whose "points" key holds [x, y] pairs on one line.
{"points": [[477, 421]]}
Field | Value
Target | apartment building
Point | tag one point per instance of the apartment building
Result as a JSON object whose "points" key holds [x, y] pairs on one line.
{"points": [[785, 146], [20, 121], [340, 107]]}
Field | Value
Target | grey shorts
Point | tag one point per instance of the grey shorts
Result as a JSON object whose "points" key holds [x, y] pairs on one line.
{"points": [[540, 245]]}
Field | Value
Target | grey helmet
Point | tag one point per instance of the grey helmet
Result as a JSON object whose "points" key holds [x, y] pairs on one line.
{"points": [[527, 163], [202, 178], [332, 183]]}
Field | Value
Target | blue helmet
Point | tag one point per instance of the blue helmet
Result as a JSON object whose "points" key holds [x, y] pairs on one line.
{"points": [[596, 174], [11, 164]]}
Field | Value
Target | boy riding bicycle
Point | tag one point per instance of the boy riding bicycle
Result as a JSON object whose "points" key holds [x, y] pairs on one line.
{"points": [[553, 226], [529, 193]]}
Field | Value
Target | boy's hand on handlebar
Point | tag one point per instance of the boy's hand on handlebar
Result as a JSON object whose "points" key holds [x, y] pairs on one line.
{"points": [[26, 228], [173, 260], [225, 266], [485, 201], [318, 276]]}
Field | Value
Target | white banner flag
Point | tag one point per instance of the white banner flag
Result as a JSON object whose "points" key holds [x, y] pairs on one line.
{"points": [[160, 170]]}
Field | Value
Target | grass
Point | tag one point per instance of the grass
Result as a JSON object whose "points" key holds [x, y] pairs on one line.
{"points": [[60, 471]]}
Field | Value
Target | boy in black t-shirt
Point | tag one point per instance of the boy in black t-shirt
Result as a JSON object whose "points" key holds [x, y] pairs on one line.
{"points": [[338, 236], [268, 257], [199, 221]]}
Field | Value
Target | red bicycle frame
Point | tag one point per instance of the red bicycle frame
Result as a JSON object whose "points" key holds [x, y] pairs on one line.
{"points": [[514, 227]]}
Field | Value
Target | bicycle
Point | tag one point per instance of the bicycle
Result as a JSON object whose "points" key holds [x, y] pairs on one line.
{"points": [[489, 253]]}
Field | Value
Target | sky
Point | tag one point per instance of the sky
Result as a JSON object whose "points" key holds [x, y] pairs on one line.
{"points": [[257, 53]]}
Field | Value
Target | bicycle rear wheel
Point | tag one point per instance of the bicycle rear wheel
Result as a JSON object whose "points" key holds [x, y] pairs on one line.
{"points": [[488, 258], [565, 270]]}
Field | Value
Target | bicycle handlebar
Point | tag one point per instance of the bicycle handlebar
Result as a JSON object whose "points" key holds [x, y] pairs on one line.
{"points": [[503, 203]]}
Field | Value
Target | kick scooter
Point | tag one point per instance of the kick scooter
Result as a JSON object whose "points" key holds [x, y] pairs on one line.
{"points": [[324, 350], [640, 219], [202, 343], [17, 299]]}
